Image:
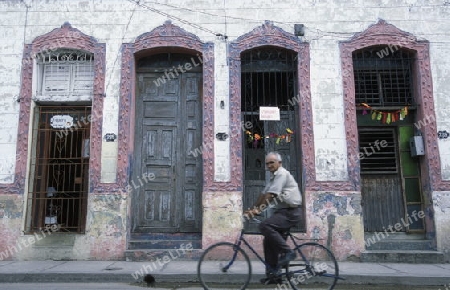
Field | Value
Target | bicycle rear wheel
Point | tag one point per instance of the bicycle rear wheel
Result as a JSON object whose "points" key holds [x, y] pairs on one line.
{"points": [[314, 266], [224, 266]]}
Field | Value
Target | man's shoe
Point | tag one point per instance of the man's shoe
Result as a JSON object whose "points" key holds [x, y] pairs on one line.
{"points": [[272, 277], [271, 280], [286, 258]]}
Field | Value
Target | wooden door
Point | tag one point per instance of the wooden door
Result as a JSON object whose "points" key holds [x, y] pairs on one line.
{"points": [[168, 132], [381, 182]]}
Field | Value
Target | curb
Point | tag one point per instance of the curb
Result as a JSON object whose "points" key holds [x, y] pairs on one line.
{"points": [[351, 279]]}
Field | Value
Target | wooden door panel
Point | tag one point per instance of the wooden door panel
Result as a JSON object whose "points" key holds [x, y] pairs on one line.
{"points": [[383, 204], [158, 209], [171, 87], [161, 110], [191, 212], [159, 146], [191, 172]]}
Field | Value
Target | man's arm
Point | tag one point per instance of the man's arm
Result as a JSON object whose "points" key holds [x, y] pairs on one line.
{"points": [[261, 204]]}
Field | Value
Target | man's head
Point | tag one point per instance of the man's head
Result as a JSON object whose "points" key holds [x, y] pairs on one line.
{"points": [[273, 161]]}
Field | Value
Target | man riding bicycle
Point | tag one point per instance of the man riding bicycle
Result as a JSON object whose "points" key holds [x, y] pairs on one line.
{"points": [[281, 193]]}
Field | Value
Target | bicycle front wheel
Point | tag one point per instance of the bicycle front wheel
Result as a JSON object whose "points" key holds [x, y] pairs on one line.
{"points": [[314, 266], [224, 266]]}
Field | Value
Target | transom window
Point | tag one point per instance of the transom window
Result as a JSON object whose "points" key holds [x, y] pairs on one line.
{"points": [[383, 76], [66, 72]]}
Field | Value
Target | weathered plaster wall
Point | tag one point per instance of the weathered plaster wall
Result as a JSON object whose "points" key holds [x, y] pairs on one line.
{"points": [[335, 218], [222, 211], [11, 208], [330, 143], [441, 205], [104, 239], [107, 227], [221, 111]]}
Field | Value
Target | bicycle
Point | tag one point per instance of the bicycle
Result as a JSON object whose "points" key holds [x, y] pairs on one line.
{"points": [[226, 262]]}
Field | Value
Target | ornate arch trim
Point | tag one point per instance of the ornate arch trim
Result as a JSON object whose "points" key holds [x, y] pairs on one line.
{"points": [[264, 35], [64, 37], [164, 36]]}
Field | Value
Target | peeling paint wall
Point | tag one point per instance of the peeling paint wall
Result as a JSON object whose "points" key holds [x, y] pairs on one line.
{"points": [[441, 206], [107, 226], [11, 208], [104, 239], [335, 218], [222, 212]]}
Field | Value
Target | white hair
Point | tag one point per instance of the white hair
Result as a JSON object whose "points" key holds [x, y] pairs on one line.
{"points": [[276, 154]]}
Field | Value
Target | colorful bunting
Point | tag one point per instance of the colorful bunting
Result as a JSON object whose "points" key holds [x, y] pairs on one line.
{"points": [[255, 138], [386, 117]]}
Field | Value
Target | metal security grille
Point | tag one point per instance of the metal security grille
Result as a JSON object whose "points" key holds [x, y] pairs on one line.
{"points": [[268, 79], [383, 76], [59, 169], [378, 151]]}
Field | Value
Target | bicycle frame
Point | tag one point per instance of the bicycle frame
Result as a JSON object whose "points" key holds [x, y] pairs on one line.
{"points": [[313, 261], [241, 239]]}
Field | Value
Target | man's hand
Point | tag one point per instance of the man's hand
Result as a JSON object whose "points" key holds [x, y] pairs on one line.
{"points": [[252, 212]]}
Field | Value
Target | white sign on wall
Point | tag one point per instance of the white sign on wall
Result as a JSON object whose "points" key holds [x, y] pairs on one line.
{"points": [[61, 121], [269, 113]]}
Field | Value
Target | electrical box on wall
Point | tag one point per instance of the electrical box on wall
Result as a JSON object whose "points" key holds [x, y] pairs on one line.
{"points": [[416, 146]]}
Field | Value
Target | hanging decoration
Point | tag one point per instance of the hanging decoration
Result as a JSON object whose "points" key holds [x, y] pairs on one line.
{"points": [[386, 117], [255, 137]]}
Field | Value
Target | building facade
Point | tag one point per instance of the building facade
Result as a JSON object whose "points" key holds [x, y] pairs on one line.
{"points": [[130, 128]]}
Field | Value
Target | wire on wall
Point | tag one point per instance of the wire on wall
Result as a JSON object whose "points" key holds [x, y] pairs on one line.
{"points": [[121, 42], [138, 3]]}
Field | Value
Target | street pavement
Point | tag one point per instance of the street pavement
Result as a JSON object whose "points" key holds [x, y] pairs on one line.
{"points": [[184, 272], [122, 286]]}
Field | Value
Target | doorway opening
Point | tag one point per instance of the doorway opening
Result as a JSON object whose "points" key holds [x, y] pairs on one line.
{"points": [[59, 172], [269, 78], [390, 174]]}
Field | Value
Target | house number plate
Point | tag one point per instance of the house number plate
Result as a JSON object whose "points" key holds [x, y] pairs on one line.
{"points": [[443, 134]]}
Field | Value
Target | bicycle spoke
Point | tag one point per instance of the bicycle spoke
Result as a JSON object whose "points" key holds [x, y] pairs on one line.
{"points": [[222, 265], [314, 266]]}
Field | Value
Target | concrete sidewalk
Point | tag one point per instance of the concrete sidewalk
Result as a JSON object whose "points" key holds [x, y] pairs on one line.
{"points": [[185, 271]]}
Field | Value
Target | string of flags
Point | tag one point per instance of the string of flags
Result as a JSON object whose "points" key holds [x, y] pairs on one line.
{"points": [[386, 117], [255, 137]]}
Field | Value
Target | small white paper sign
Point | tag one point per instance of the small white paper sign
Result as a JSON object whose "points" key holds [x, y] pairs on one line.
{"points": [[269, 113], [61, 121]]}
